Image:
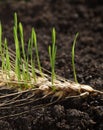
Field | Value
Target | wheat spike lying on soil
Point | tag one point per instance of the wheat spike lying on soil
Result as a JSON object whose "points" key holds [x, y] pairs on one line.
{"points": [[38, 91], [63, 87]]}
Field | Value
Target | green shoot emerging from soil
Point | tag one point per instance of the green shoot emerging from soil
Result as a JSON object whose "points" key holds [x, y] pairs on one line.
{"points": [[34, 39], [7, 64], [17, 46], [73, 58], [52, 55]]}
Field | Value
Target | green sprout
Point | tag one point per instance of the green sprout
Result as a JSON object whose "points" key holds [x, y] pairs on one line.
{"points": [[4, 52], [52, 55], [17, 47], [34, 38], [73, 58], [8, 66], [22, 40], [30, 46], [5, 58], [25, 73]]}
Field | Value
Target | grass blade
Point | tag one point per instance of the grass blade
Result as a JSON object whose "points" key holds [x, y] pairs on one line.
{"points": [[22, 40], [30, 47], [52, 55], [36, 50], [18, 58], [73, 58], [8, 64]]}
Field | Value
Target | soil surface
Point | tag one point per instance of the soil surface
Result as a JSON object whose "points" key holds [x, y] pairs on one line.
{"points": [[68, 17]]}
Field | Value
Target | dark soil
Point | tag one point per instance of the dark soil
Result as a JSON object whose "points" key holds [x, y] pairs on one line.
{"points": [[68, 17]]}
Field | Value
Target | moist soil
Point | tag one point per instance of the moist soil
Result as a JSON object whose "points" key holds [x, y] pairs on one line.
{"points": [[68, 18]]}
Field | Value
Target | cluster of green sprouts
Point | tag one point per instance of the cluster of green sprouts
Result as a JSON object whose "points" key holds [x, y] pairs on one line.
{"points": [[19, 64], [52, 54], [23, 59]]}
